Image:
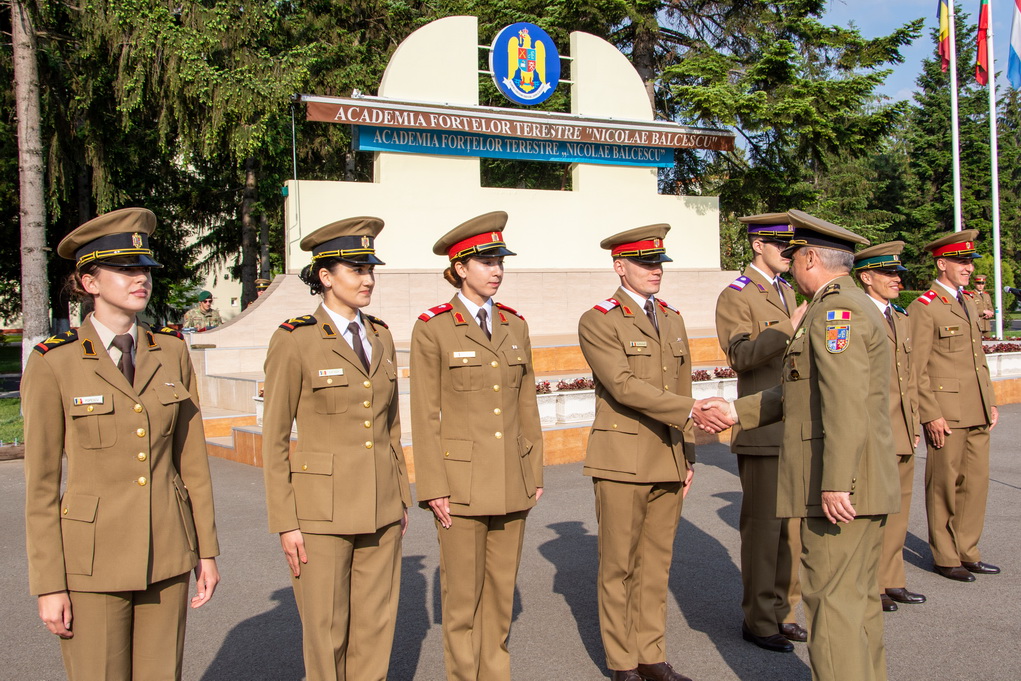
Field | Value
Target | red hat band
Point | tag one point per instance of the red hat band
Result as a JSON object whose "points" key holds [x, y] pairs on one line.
{"points": [[951, 250], [637, 249], [476, 244]]}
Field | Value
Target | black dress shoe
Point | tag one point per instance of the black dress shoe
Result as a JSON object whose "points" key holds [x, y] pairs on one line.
{"points": [[774, 642], [660, 671], [957, 572], [625, 675], [905, 596], [888, 604], [792, 631], [980, 568]]}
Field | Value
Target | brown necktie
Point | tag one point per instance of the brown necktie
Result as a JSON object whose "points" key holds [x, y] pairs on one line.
{"points": [[650, 312], [889, 320], [481, 316], [124, 342], [779, 289], [960, 299], [356, 344]]}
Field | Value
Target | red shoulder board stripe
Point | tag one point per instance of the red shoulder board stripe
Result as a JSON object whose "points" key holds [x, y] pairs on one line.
{"points": [[433, 311], [927, 297], [294, 322], [55, 341], [606, 305], [170, 332], [510, 309], [667, 306], [377, 321]]}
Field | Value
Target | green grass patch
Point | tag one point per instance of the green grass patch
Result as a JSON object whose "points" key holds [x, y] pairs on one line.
{"points": [[10, 358], [12, 426]]}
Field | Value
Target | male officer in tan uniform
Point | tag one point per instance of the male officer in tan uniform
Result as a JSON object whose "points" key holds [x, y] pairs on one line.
{"points": [[836, 472], [639, 457], [754, 325], [878, 269], [984, 303], [957, 408]]}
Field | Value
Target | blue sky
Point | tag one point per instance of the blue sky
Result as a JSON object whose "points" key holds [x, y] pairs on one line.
{"points": [[880, 17]]}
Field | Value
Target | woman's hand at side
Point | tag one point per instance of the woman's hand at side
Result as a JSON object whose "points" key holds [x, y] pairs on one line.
{"points": [[207, 576], [55, 612]]}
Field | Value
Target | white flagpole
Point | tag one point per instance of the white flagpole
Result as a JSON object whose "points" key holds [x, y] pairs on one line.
{"points": [[955, 135], [995, 167]]}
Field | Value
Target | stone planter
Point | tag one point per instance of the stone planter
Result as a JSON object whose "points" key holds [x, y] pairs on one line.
{"points": [[547, 409], [718, 387], [1003, 364], [258, 410], [576, 405]]}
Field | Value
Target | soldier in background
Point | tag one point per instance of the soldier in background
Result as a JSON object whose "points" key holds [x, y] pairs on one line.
{"points": [[878, 270], [984, 304], [202, 317], [754, 324]]}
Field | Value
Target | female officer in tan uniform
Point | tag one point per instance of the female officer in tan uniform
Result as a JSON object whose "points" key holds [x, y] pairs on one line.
{"points": [[477, 445], [339, 500], [109, 559]]}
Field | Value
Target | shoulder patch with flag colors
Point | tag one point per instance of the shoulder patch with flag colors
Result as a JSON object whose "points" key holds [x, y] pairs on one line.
{"points": [[837, 337], [606, 305], [739, 283], [927, 297], [667, 306], [376, 320], [55, 341], [294, 322], [510, 309], [838, 315], [433, 311]]}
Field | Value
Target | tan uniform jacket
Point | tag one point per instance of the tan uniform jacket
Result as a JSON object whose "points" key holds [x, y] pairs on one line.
{"points": [[953, 378], [643, 392], [983, 301], [835, 405], [903, 387], [138, 507], [347, 474], [754, 328], [474, 414]]}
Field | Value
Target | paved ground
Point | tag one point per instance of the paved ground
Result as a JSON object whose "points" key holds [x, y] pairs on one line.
{"points": [[250, 631]]}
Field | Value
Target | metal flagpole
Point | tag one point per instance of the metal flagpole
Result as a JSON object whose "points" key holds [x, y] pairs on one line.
{"points": [[994, 165], [955, 136]]}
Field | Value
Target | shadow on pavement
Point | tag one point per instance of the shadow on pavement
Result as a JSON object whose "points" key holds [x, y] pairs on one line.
{"points": [[412, 619], [265, 646]]}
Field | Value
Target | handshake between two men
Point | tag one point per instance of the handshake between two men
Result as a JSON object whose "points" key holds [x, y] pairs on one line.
{"points": [[714, 414]]}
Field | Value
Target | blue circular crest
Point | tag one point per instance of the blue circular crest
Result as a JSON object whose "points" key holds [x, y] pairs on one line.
{"points": [[525, 64]]}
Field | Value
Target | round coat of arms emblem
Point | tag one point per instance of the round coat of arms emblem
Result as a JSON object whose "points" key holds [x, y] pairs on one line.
{"points": [[525, 64]]}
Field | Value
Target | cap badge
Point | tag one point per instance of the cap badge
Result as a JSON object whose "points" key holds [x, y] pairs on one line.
{"points": [[656, 243], [493, 236], [136, 240], [365, 242]]}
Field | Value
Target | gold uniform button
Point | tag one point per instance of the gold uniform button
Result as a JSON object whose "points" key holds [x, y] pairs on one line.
{"points": [[615, 426], [329, 381], [367, 384], [176, 396], [90, 408], [464, 361], [137, 408], [368, 445], [519, 359], [494, 364], [498, 435], [366, 404], [142, 456], [367, 424], [64, 511], [140, 432], [496, 388], [497, 411], [664, 368], [446, 453], [142, 481], [304, 466]]}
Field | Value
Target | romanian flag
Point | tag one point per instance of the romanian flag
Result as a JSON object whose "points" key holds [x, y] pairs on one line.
{"points": [[1014, 56], [982, 51], [943, 14]]}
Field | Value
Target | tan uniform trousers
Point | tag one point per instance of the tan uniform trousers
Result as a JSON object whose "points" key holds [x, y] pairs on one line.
{"points": [[891, 565], [637, 526], [347, 597], [845, 617], [956, 487], [479, 557], [128, 635], [770, 549]]}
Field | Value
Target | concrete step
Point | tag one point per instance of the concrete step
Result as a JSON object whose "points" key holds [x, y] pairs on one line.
{"points": [[219, 422]]}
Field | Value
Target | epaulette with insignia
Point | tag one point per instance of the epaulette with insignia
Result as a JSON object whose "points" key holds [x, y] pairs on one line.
{"points": [[739, 283], [510, 309], [970, 294], [376, 320], [667, 306], [831, 288], [606, 305], [55, 341], [166, 330], [433, 311], [927, 297], [294, 322], [899, 309]]}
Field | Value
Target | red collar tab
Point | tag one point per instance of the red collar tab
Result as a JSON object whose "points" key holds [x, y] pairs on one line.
{"points": [[638, 249], [478, 244], [459, 319], [954, 250]]}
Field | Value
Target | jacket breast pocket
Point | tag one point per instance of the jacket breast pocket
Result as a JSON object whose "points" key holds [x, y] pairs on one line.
{"points": [[639, 358], [457, 463], [954, 338], [329, 393], [78, 531], [465, 371], [312, 482], [796, 364], [170, 396], [95, 424], [516, 364]]}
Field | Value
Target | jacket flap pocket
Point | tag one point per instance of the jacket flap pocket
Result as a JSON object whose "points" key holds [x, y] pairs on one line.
{"points": [[905, 345], [766, 324], [79, 507], [524, 444], [636, 347], [328, 378], [514, 356], [810, 430], [169, 393], [951, 331], [945, 385], [609, 420], [465, 358], [457, 450], [313, 463], [182, 490], [104, 407], [678, 348]]}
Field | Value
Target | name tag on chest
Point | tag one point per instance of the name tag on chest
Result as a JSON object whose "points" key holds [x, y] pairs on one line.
{"points": [[464, 354], [88, 399], [331, 372]]}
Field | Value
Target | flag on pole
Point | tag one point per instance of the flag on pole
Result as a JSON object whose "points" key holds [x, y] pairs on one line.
{"points": [[1014, 57], [943, 14], [982, 52]]}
